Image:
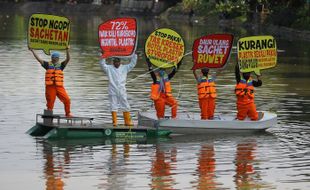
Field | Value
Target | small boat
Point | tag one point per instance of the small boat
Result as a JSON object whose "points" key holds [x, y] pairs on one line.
{"points": [[55, 126], [190, 123]]}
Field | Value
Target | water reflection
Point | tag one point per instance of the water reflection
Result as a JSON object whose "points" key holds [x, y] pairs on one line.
{"points": [[276, 160], [206, 167], [203, 161], [116, 172], [54, 167], [248, 167], [245, 172], [162, 167]]}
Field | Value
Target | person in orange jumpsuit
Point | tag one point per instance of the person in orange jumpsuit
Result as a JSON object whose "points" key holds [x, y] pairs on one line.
{"points": [[54, 80], [245, 95], [161, 92], [206, 93]]}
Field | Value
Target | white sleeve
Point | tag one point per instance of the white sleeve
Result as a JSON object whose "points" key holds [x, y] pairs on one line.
{"points": [[132, 63], [103, 65]]}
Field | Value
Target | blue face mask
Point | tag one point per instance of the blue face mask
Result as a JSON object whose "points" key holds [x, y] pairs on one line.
{"points": [[161, 73]]}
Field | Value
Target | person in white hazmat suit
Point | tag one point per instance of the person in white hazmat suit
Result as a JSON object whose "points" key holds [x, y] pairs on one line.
{"points": [[117, 75]]}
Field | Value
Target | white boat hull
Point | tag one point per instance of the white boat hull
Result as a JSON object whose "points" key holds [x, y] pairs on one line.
{"points": [[192, 124]]}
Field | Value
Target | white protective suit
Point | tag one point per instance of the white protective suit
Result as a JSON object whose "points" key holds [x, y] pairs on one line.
{"points": [[117, 83]]}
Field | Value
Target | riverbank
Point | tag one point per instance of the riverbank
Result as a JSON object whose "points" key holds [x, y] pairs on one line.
{"points": [[84, 9], [128, 7], [256, 26], [173, 13]]}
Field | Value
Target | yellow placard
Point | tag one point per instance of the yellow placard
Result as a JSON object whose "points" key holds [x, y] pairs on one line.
{"points": [[48, 32], [256, 53], [164, 47]]}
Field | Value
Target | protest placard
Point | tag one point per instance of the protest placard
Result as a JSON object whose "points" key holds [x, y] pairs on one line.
{"points": [[118, 37], [212, 51], [164, 47], [48, 32], [256, 53]]}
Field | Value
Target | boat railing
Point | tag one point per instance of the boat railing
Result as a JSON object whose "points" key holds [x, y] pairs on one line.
{"points": [[61, 120]]}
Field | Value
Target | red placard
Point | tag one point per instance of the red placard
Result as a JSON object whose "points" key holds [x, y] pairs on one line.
{"points": [[212, 51], [117, 37]]}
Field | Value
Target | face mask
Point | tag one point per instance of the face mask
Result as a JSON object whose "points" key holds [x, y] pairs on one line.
{"points": [[161, 73]]}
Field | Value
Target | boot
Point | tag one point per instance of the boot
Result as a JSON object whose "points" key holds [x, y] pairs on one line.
{"points": [[127, 119], [114, 118]]}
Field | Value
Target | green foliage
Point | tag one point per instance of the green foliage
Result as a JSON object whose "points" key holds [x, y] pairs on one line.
{"points": [[303, 20], [189, 4], [226, 8], [232, 8], [200, 7], [290, 13]]}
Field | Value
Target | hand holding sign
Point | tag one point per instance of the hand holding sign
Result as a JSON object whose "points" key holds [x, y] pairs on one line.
{"points": [[118, 37], [164, 48], [212, 51], [48, 32], [256, 53]]}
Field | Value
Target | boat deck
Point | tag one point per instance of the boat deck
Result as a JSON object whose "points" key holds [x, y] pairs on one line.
{"points": [[63, 121], [190, 123], [59, 126]]}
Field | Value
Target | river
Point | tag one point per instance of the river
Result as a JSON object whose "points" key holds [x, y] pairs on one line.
{"points": [[276, 159]]}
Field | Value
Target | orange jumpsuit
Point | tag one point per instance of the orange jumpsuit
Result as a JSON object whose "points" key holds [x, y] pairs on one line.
{"points": [[206, 95], [161, 92], [162, 98], [54, 86], [245, 100]]}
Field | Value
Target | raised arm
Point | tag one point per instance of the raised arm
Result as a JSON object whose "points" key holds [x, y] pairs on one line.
{"points": [[237, 73], [132, 63], [36, 56], [195, 75], [66, 61], [149, 64], [174, 70], [103, 64]]}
